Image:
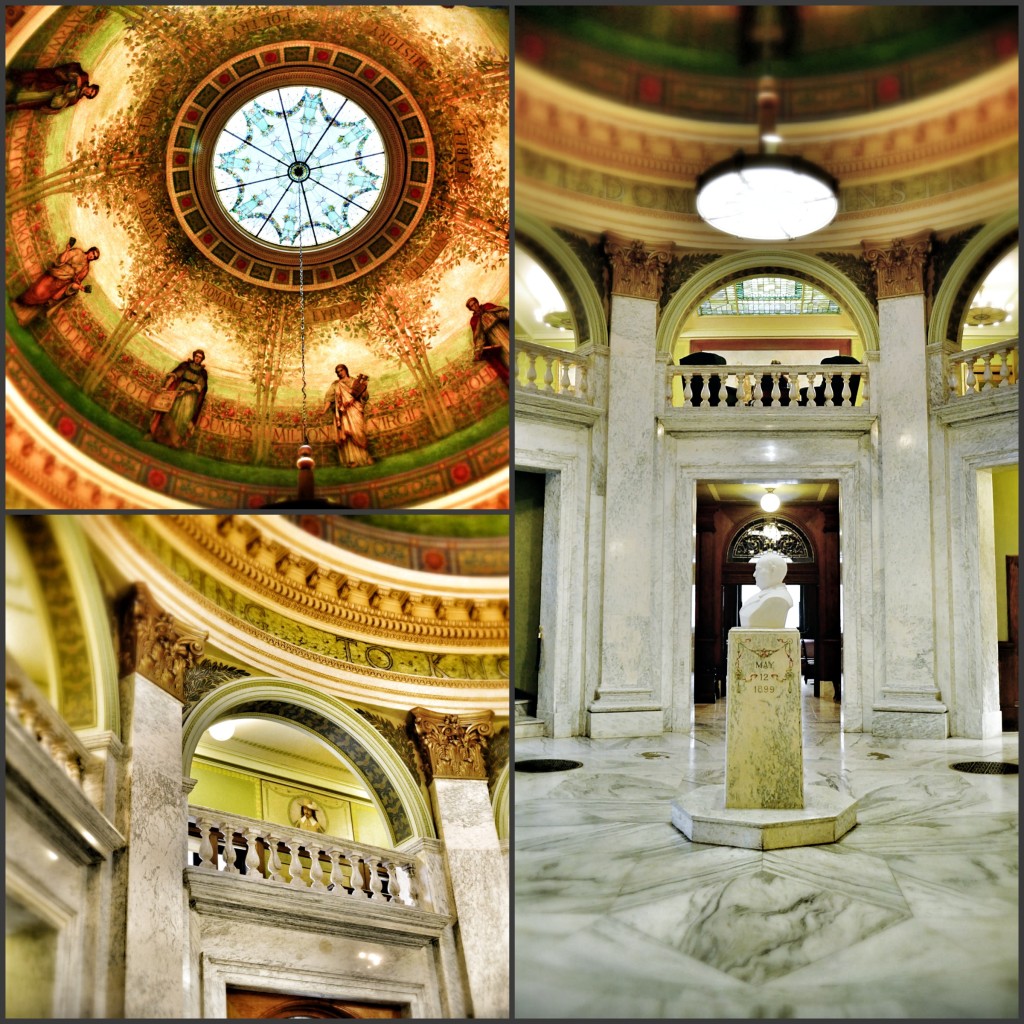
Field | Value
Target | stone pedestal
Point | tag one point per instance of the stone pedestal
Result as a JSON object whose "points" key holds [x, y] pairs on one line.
{"points": [[763, 805], [764, 765]]}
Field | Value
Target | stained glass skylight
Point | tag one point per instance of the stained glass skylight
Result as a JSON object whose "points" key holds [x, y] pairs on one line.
{"points": [[768, 296], [299, 163]]}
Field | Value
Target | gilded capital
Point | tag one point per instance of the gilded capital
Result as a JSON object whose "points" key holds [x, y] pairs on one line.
{"points": [[899, 265], [452, 746], [155, 644], [637, 271]]}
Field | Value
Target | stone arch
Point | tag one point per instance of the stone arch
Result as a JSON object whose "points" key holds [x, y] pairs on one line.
{"points": [[500, 802], [85, 663], [978, 256], [558, 258], [800, 265], [388, 779]]}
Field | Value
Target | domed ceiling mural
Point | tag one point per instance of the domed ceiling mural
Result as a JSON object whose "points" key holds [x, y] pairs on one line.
{"points": [[264, 227]]}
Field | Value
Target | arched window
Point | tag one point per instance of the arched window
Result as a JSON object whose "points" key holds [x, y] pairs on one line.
{"points": [[770, 533]]}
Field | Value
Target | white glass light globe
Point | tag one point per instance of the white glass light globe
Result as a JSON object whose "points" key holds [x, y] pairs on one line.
{"points": [[770, 502], [222, 730], [772, 201]]}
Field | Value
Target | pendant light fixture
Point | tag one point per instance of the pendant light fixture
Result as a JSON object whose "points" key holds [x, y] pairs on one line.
{"points": [[770, 500], [765, 196]]}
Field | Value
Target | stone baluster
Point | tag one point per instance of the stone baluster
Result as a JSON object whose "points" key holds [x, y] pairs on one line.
{"points": [[337, 879], [230, 865], [986, 377], [564, 383], [274, 863], [954, 379], [687, 390], [252, 856], [355, 874], [583, 383], [531, 371], [971, 380], [408, 891], [1004, 367], [207, 853], [549, 377], [316, 871], [376, 886], [295, 865], [847, 394]]}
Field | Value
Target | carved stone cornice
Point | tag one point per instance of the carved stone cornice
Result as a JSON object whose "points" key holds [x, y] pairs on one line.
{"points": [[899, 265], [155, 644], [286, 577], [637, 270], [452, 746]]}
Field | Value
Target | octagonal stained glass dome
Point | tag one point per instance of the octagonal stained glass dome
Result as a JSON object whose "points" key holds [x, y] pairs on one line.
{"points": [[299, 166]]}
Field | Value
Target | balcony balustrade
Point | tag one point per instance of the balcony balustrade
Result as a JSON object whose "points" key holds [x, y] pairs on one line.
{"points": [[269, 854], [34, 713], [551, 371], [807, 388], [980, 371]]}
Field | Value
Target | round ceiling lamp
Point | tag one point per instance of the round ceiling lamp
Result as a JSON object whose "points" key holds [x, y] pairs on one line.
{"points": [[770, 500], [766, 196], [223, 730]]}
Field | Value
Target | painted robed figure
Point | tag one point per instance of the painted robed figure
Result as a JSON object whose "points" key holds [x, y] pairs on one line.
{"points": [[348, 396], [184, 389], [489, 324]]}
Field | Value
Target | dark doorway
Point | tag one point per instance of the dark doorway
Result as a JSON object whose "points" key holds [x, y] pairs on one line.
{"points": [[529, 546]]}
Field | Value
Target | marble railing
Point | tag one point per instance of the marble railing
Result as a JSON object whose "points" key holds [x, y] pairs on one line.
{"points": [[552, 371], [274, 854], [980, 370], [753, 392], [34, 713]]}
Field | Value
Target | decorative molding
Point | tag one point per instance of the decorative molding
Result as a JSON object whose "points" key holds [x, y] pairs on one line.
{"points": [[680, 269], [858, 269], [399, 740], [205, 676], [496, 757], [899, 265], [156, 645], [637, 271], [452, 746], [337, 599], [594, 261]]}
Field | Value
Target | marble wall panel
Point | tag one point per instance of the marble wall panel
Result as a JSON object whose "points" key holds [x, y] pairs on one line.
{"points": [[564, 454], [480, 888], [157, 937]]}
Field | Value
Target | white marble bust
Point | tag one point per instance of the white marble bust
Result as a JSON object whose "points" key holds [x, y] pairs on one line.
{"points": [[768, 608]]}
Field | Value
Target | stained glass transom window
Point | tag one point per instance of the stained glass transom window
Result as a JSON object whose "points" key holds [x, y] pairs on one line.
{"points": [[770, 533], [768, 296], [299, 163]]}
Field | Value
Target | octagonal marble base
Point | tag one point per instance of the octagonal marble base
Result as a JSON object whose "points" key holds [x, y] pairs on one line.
{"points": [[703, 818]]}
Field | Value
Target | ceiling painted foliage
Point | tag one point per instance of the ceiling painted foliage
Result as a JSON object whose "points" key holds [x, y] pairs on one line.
{"points": [[129, 173]]}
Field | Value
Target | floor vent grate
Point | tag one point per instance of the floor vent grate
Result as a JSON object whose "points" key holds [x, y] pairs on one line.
{"points": [[986, 767], [547, 764]]}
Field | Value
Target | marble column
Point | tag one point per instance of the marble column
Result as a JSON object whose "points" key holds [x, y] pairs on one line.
{"points": [[452, 747], [625, 702], [908, 703], [156, 651]]}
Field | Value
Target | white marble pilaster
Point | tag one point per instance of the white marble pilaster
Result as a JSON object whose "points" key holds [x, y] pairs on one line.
{"points": [[909, 702], [156, 938], [628, 619], [479, 886]]}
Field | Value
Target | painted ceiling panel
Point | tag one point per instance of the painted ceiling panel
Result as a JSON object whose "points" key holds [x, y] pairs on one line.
{"points": [[104, 172]]}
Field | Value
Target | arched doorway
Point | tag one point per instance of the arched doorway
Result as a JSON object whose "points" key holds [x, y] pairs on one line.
{"points": [[731, 529]]}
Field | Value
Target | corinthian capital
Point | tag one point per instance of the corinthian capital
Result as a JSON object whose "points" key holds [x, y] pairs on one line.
{"points": [[637, 270], [155, 644], [899, 265], [452, 745]]}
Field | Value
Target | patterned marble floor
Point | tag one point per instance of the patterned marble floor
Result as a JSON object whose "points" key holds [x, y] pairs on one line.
{"points": [[912, 914]]}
